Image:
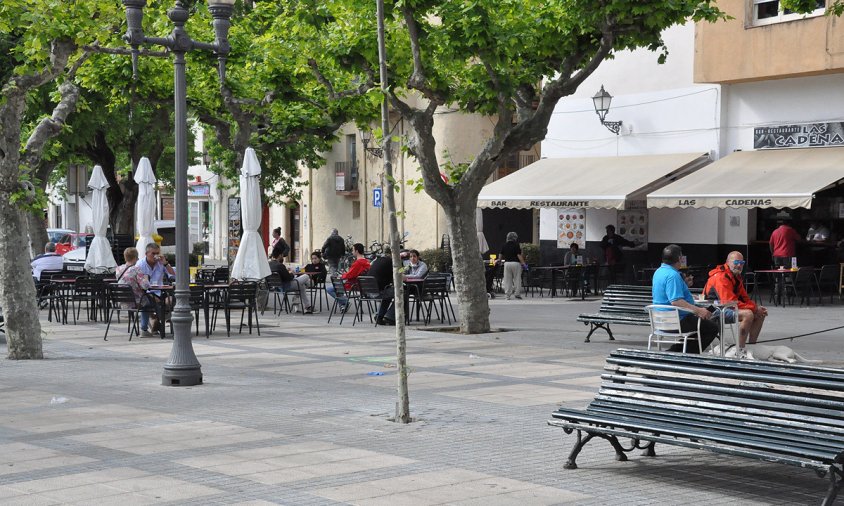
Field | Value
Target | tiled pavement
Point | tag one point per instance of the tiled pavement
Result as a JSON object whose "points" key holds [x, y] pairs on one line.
{"points": [[294, 417]]}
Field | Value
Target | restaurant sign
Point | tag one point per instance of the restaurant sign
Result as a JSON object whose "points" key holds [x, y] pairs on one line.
{"points": [[810, 135]]}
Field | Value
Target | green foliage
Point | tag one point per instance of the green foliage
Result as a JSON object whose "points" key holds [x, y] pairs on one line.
{"points": [[531, 253], [438, 260], [835, 8]]}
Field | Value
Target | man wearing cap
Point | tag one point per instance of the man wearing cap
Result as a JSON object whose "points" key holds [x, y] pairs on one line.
{"points": [[725, 284]]}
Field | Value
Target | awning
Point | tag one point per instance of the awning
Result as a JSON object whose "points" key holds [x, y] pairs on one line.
{"points": [[603, 183], [766, 178]]}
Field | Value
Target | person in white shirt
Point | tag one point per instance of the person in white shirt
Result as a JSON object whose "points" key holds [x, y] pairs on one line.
{"points": [[47, 261]]}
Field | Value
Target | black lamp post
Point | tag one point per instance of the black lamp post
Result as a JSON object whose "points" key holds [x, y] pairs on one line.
{"points": [[366, 138], [182, 368], [602, 101]]}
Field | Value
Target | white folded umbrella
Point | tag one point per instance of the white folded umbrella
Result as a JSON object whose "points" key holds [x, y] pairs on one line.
{"points": [[145, 212], [251, 260], [99, 259]]}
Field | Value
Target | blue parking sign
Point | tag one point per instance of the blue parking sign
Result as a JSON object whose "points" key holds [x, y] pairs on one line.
{"points": [[376, 197]]}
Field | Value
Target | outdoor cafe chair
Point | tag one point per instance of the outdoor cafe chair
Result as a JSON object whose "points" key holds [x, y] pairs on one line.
{"points": [[434, 293], [341, 293], [445, 295], [121, 298], [665, 327], [88, 291], [275, 291], [317, 290], [370, 294], [829, 281], [239, 296], [198, 302]]}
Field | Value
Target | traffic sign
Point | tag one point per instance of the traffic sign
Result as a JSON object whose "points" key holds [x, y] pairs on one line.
{"points": [[377, 197]]}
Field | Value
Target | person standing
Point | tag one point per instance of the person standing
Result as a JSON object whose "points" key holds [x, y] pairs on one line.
{"points": [[669, 288], [332, 251], [280, 248], [612, 244], [783, 244], [514, 262]]}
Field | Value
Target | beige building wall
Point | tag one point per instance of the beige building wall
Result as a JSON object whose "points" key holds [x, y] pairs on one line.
{"points": [[737, 51], [323, 208]]}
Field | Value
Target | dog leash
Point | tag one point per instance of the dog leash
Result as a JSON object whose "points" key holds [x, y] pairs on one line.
{"points": [[800, 335]]}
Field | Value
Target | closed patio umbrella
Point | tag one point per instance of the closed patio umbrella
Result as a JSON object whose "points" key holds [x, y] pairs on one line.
{"points": [[479, 224], [251, 260], [145, 213], [100, 259]]}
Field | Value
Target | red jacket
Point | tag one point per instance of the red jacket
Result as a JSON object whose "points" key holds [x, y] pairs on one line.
{"points": [[727, 287], [358, 268]]}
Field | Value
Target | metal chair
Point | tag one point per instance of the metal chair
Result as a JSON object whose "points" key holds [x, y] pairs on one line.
{"points": [[433, 295], [828, 281], [121, 298], [317, 290], [369, 293], [665, 327], [243, 297], [340, 292]]}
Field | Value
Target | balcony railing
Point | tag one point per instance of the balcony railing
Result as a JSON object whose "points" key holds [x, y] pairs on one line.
{"points": [[345, 177]]}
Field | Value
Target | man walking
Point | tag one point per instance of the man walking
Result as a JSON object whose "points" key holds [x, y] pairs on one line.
{"points": [[332, 251], [669, 288]]}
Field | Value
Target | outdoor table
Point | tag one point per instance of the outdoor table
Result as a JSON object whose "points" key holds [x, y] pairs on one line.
{"points": [[582, 270], [779, 284], [62, 290], [553, 270]]}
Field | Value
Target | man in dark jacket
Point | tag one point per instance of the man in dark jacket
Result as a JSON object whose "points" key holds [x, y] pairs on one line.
{"points": [[332, 251], [382, 270]]}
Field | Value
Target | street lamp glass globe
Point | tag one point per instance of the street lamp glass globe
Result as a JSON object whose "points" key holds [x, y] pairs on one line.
{"points": [[365, 136], [602, 101]]}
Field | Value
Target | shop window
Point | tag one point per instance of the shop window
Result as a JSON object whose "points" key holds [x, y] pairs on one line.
{"points": [[765, 12]]}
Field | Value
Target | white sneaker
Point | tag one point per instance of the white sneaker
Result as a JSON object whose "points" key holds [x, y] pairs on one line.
{"points": [[147, 333]]}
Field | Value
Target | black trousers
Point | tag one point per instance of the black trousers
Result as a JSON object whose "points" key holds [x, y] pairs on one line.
{"points": [[708, 332]]}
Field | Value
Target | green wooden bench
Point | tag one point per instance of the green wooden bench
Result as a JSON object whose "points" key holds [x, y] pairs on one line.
{"points": [[781, 413]]}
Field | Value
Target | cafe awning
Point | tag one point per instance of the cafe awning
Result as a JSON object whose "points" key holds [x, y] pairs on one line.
{"points": [[601, 182], [777, 178]]}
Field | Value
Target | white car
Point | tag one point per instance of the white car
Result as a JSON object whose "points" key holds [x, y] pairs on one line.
{"points": [[74, 260]]}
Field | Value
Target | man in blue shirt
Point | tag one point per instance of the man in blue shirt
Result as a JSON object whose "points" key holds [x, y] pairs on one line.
{"points": [[669, 288], [154, 266]]}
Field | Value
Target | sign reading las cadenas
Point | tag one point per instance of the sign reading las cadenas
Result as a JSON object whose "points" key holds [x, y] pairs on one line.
{"points": [[574, 204], [799, 136], [733, 202]]}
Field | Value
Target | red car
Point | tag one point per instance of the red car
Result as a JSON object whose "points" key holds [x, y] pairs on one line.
{"points": [[70, 242]]}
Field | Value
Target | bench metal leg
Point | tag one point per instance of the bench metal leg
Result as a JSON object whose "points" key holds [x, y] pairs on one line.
{"points": [[649, 450], [596, 326], [581, 442], [835, 481]]}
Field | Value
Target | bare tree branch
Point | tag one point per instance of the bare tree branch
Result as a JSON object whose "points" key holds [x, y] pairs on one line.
{"points": [[365, 85], [96, 48]]}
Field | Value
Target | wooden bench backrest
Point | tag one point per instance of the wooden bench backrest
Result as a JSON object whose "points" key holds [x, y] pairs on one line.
{"points": [[780, 397], [628, 299]]}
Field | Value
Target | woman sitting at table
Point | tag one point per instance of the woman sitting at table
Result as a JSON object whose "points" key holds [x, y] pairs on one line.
{"points": [[572, 255], [129, 274], [416, 268], [317, 267]]}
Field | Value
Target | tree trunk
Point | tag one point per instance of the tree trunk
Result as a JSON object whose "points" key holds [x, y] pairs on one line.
{"points": [[17, 291], [37, 234], [123, 214], [469, 277]]}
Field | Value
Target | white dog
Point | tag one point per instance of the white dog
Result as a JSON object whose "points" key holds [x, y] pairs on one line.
{"points": [[771, 353]]}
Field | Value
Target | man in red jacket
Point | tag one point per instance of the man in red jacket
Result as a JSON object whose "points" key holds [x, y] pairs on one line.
{"points": [[725, 284]]}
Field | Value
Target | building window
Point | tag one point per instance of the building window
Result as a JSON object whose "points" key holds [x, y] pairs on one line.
{"points": [[355, 209], [766, 12]]}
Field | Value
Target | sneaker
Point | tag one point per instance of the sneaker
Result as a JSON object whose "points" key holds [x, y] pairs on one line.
{"points": [[146, 333], [388, 323], [508, 297], [519, 297], [490, 295]]}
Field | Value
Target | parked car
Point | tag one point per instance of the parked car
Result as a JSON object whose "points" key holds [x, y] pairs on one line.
{"points": [[54, 235], [74, 260], [70, 242]]}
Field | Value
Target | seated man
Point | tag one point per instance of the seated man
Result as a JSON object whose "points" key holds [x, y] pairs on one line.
{"points": [[725, 284], [669, 288], [302, 282], [47, 261], [359, 267], [382, 270]]}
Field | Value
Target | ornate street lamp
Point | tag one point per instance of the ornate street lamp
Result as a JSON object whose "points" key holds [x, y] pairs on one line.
{"points": [[366, 138], [602, 101], [182, 368]]}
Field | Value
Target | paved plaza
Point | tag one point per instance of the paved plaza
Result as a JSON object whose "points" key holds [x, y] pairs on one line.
{"points": [[300, 416]]}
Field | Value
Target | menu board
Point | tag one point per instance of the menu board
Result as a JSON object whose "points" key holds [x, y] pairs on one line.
{"points": [[570, 228], [633, 226], [234, 228]]}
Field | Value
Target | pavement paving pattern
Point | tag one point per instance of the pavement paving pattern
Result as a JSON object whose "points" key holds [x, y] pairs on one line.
{"points": [[295, 417]]}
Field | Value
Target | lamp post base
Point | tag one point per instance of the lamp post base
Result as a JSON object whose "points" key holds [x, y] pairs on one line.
{"points": [[175, 376]]}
